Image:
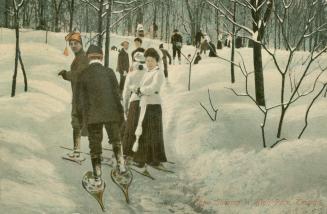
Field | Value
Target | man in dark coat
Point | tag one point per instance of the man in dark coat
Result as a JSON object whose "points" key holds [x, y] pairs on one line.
{"points": [[198, 37], [212, 49], [165, 55], [138, 44], [76, 69], [177, 41], [123, 64], [100, 103]]}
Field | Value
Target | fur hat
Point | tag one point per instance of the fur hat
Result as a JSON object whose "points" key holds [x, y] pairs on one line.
{"points": [[95, 51], [139, 57]]}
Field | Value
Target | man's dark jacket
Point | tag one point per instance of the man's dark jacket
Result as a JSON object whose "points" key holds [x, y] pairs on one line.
{"points": [[99, 95]]}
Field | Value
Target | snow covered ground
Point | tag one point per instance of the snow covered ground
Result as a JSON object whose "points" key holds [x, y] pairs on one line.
{"points": [[221, 166]]}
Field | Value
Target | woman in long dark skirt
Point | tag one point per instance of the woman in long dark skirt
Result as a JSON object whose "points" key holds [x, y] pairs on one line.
{"points": [[149, 133], [131, 103]]}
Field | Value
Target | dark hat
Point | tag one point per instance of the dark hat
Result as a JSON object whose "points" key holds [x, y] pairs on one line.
{"points": [[138, 40], [175, 31], [94, 50], [161, 46]]}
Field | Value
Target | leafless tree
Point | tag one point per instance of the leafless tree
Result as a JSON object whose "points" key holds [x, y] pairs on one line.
{"points": [[18, 57], [214, 109]]}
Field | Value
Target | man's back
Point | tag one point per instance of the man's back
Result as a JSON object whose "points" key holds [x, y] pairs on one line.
{"points": [[100, 94]]}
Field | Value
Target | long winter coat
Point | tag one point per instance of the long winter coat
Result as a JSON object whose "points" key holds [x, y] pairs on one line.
{"points": [[99, 95], [175, 39], [79, 64], [123, 62]]}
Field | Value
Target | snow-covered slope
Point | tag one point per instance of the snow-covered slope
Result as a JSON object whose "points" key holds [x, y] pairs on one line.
{"points": [[221, 166]]}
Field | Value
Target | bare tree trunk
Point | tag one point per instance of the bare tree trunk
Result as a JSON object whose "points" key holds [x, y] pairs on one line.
{"points": [[71, 13], [167, 22], [257, 54], [87, 20], [7, 8], [13, 86], [24, 72], [100, 37], [106, 56], [162, 20], [233, 46], [17, 56]]}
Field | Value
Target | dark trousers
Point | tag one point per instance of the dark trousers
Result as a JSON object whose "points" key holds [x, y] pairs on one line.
{"points": [[165, 69], [96, 136], [122, 82], [178, 51]]}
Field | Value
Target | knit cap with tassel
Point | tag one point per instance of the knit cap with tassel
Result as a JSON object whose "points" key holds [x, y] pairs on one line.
{"points": [[72, 36]]}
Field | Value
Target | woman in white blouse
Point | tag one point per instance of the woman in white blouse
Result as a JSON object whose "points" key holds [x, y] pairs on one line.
{"points": [[131, 102], [149, 146]]}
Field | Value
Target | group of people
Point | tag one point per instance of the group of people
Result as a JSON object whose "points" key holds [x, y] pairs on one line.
{"points": [[129, 110], [204, 43]]}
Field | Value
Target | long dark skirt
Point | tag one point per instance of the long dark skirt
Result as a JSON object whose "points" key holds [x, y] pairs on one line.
{"points": [[151, 143], [130, 127]]}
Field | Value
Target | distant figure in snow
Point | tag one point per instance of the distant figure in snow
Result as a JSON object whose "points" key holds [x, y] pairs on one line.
{"points": [[114, 48], [140, 30], [76, 69], [131, 102], [197, 58], [165, 55], [138, 45], [123, 64], [212, 50], [198, 37], [155, 30], [100, 103], [205, 43], [219, 42], [228, 40], [189, 58], [238, 42], [177, 42]]}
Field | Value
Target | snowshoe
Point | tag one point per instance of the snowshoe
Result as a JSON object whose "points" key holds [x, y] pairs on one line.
{"points": [[77, 159], [123, 181], [107, 161], [142, 171], [94, 187], [161, 167]]}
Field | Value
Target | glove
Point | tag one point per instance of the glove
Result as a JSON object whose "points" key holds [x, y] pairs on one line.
{"points": [[62, 73], [138, 92]]}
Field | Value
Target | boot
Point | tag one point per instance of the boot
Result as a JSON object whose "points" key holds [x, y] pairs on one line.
{"points": [[173, 61], [77, 143], [96, 166], [120, 159], [179, 61]]}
